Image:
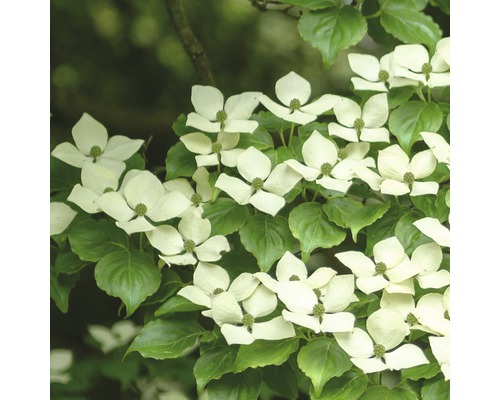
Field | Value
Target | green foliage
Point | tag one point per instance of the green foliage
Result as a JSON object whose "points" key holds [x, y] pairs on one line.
{"points": [[62, 175], [425, 371], [60, 288], [244, 386], [313, 4], [282, 380], [177, 304], [348, 387], [214, 363], [384, 393], [260, 139], [180, 162], [436, 389], [225, 215]]}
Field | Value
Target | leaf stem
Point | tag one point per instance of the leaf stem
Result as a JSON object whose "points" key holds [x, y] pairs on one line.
{"points": [[374, 15], [291, 134], [428, 94], [282, 137], [421, 96]]}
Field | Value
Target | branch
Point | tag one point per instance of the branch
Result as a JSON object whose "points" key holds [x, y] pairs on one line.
{"points": [[191, 44]]}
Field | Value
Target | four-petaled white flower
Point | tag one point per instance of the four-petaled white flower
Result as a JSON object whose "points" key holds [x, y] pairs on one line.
{"points": [[266, 189], [143, 196], [321, 156], [438, 145], [390, 260], [120, 334], [60, 362], [240, 326], [190, 243], [61, 216], [361, 125], [91, 139], [213, 115], [369, 351], [294, 91], [433, 311], [440, 347], [435, 230], [222, 151], [428, 257]]}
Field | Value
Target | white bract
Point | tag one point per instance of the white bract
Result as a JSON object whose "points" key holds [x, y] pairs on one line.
{"points": [[294, 91], [438, 145], [390, 261], [120, 334], [266, 189], [369, 351], [92, 145], [190, 243], [96, 180], [61, 216], [143, 195], [428, 257], [321, 156], [213, 115], [361, 125], [440, 347], [60, 361], [307, 307], [222, 151], [435, 230], [240, 326], [433, 311]]}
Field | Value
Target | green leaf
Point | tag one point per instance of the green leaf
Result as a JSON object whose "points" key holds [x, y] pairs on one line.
{"points": [[131, 276], [68, 263], [60, 288], [399, 95], [444, 5], [384, 393], [238, 260], [407, 121], [260, 139], [442, 205], [91, 240], [169, 285], [63, 176], [180, 162], [383, 228], [282, 380], [134, 162], [267, 238], [379, 34], [312, 4], [244, 386], [436, 389], [408, 234], [180, 128], [177, 304], [322, 359], [225, 215], [425, 203], [124, 371], [270, 122], [408, 24], [161, 339], [214, 363], [265, 352], [311, 226], [331, 30], [425, 371], [345, 388]]}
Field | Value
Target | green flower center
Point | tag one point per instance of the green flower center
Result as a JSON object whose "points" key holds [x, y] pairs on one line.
{"points": [[95, 151], [248, 320], [216, 147], [379, 350], [358, 124], [108, 189], [257, 183], [411, 319], [221, 116], [294, 278], [326, 168], [426, 68], [380, 268], [383, 75], [196, 199], [317, 292], [218, 291], [140, 209], [343, 153], [409, 178], [318, 310], [295, 104], [189, 246], [447, 315]]}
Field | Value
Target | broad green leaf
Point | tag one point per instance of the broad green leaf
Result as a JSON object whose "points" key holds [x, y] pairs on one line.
{"points": [[366, 305], [162, 339], [267, 238], [408, 24], [244, 386], [425, 371], [310, 225], [260, 139], [177, 304], [68, 263], [63, 176], [332, 29], [408, 234], [91, 240], [313, 4], [367, 216], [436, 389], [169, 285], [384, 393], [265, 352], [442, 206], [125, 371], [383, 228], [270, 122], [411, 118], [399, 95], [340, 210], [444, 5], [214, 363], [238, 260], [379, 34], [348, 387], [60, 288], [180, 128], [225, 215], [180, 162], [425, 203], [131, 276], [134, 162], [282, 380], [322, 359]]}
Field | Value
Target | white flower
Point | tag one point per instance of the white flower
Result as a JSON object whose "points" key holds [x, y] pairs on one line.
{"points": [[60, 362], [190, 243], [92, 145], [433, 311], [96, 180], [400, 174], [212, 115], [120, 334], [143, 196], [432, 227], [209, 280], [266, 189], [241, 327], [294, 91], [390, 260], [351, 157], [428, 257], [361, 125], [320, 156], [440, 347], [221, 151], [412, 61], [438, 145], [61, 216], [387, 329], [375, 74], [306, 307]]}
